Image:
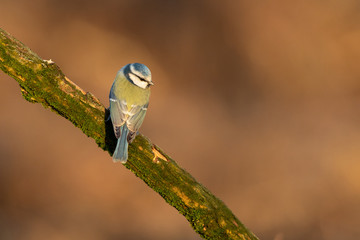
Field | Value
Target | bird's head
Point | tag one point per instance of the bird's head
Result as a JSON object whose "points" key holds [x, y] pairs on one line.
{"points": [[138, 74]]}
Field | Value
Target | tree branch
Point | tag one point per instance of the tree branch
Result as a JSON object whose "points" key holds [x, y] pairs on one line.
{"points": [[43, 82]]}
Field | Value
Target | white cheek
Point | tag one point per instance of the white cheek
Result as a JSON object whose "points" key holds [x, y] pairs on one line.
{"points": [[137, 81]]}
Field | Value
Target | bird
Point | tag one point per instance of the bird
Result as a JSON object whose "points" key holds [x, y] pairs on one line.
{"points": [[129, 100]]}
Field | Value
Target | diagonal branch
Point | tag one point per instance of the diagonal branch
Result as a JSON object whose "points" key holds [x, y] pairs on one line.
{"points": [[43, 82]]}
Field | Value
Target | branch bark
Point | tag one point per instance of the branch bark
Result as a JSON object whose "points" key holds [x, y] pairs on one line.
{"points": [[42, 81]]}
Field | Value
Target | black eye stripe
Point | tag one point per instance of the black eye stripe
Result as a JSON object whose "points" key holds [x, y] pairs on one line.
{"points": [[142, 79]]}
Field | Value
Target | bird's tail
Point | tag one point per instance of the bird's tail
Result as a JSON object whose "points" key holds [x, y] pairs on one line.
{"points": [[121, 151]]}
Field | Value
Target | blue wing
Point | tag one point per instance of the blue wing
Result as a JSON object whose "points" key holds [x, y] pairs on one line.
{"points": [[118, 110], [136, 118]]}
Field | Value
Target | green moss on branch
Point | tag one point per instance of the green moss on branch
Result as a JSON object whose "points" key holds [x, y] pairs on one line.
{"points": [[43, 82]]}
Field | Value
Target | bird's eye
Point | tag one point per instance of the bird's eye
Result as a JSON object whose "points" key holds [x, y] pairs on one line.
{"points": [[142, 79]]}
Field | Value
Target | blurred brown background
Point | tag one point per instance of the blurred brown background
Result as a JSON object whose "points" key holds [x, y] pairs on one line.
{"points": [[258, 100]]}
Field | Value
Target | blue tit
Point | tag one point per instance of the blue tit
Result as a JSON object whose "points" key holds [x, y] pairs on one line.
{"points": [[129, 100]]}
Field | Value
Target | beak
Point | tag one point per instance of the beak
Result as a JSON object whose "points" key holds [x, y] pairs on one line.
{"points": [[151, 83]]}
